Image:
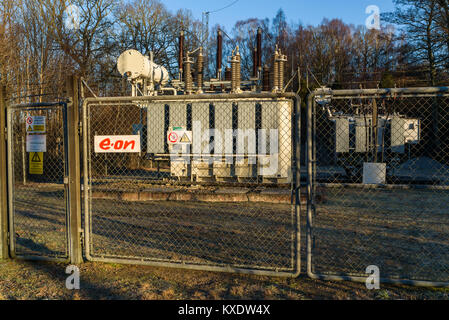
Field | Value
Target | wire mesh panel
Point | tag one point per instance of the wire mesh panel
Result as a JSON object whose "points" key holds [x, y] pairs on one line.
{"points": [[379, 185], [199, 183], [37, 167]]}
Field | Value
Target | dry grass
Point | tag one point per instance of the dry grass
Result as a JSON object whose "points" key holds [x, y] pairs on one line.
{"points": [[403, 231], [37, 280]]}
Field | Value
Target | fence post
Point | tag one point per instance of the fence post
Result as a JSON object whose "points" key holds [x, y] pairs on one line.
{"points": [[72, 85], [4, 251]]}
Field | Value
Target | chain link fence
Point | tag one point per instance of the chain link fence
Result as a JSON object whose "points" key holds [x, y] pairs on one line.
{"points": [[206, 183], [378, 167], [37, 190]]}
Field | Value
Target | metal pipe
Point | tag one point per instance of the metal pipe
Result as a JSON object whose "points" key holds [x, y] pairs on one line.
{"points": [[211, 97], [411, 91], [175, 93]]}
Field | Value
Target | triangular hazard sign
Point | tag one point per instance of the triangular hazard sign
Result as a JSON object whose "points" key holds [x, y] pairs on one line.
{"points": [[30, 128], [185, 138], [36, 158]]}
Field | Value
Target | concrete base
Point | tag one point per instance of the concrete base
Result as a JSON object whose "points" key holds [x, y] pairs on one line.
{"points": [[275, 196]]}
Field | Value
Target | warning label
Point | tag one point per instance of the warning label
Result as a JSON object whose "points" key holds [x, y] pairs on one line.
{"points": [[35, 124], [36, 163], [179, 137], [185, 139], [37, 143]]}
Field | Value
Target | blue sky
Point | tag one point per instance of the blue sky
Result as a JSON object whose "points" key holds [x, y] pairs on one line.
{"points": [[305, 11]]}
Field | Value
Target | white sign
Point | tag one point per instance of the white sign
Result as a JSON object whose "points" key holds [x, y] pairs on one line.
{"points": [[374, 173], [182, 137], [412, 131], [117, 144], [36, 143], [35, 124]]}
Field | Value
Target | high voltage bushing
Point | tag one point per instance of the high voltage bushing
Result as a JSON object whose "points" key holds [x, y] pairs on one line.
{"points": [[275, 72], [188, 74], [236, 72], [282, 59], [278, 71], [199, 71]]}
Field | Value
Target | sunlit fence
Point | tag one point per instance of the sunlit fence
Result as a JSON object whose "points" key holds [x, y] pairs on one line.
{"points": [[206, 182], [378, 169]]}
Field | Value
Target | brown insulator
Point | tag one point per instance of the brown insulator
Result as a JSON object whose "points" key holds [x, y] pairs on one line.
{"points": [[254, 63], [199, 71], [188, 75], [228, 74], [266, 79], [259, 49], [219, 53], [181, 52]]}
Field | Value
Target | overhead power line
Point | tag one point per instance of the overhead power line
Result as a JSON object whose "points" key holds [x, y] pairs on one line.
{"points": [[228, 6]]}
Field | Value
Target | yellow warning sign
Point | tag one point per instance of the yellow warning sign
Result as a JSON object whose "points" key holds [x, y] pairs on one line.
{"points": [[185, 139], [39, 128], [36, 163]]}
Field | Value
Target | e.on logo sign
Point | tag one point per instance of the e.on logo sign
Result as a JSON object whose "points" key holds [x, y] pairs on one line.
{"points": [[117, 144]]}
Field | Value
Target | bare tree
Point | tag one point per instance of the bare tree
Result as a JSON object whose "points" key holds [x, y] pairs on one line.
{"points": [[90, 40]]}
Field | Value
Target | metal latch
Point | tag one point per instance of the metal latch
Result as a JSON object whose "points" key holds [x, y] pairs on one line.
{"points": [[66, 180]]}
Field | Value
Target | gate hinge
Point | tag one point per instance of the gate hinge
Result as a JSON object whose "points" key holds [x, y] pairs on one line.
{"points": [[81, 233], [80, 129], [8, 239], [6, 133]]}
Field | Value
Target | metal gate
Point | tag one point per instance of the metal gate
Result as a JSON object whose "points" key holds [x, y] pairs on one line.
{"points": [[164, 187], [37, 183], [378, 170]]}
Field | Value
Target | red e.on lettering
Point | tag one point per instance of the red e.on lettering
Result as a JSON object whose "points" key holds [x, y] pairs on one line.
{"points": [[130, 143], [118, 145], [105, 144]]}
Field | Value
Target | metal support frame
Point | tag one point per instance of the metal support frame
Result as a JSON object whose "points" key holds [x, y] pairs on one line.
{"points": [[74, 171], [295, 185], [4, 251], [311, 161]]}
